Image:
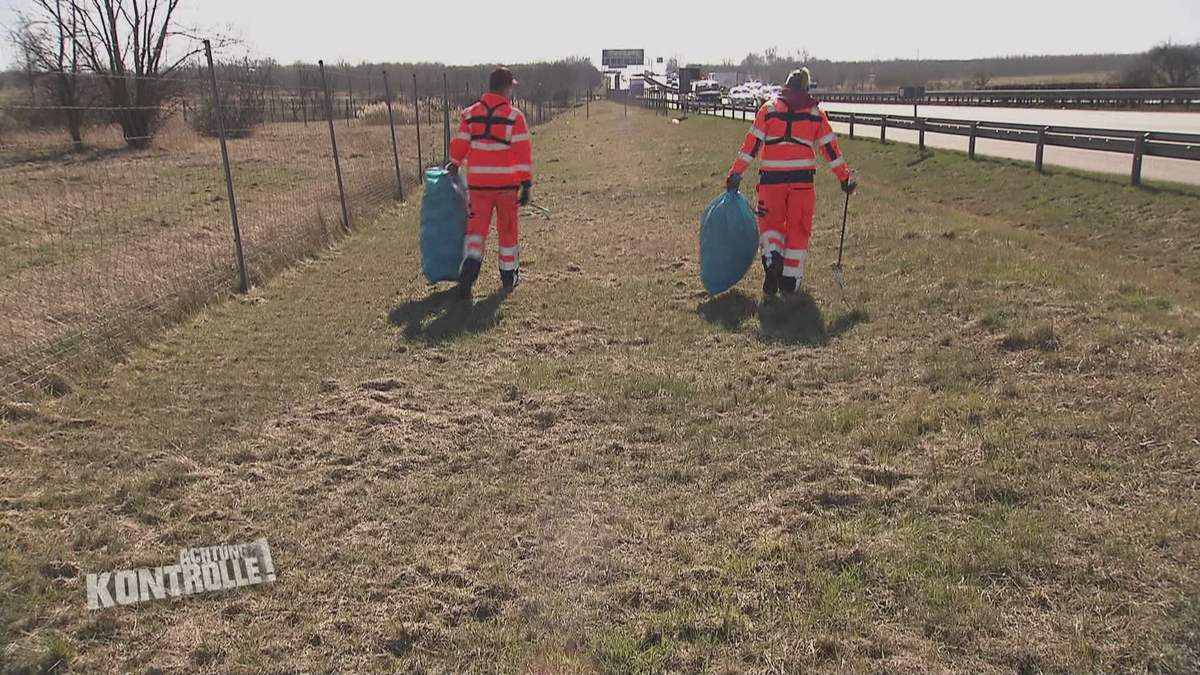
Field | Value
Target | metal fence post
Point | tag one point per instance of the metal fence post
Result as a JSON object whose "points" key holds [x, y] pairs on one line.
{"points": [[445, 119], [1040, 155], [237, 230], [921, 135], [883, 130], [337, 162], [387, 91], [588, 106], [1139, 151], [417, 110], [851, 126], [971, 142]]}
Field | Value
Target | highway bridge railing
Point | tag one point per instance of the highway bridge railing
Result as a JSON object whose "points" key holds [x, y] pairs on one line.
{"points": [[1137, 144]]}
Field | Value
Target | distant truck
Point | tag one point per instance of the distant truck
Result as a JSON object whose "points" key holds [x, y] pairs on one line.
{"points": [[706, 91]]}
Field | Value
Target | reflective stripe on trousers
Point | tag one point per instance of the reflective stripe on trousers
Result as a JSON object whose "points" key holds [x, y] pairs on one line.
{"points": [[473, 247], [770, 241], [509, 257], [504, 204], [787, 209], [793, 262]]}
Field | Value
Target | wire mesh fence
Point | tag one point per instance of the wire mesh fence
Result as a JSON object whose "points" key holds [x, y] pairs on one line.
{"points": [[115, 220]]}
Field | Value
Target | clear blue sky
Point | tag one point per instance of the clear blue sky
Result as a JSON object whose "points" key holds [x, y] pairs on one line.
{"points": [[409, 30]]}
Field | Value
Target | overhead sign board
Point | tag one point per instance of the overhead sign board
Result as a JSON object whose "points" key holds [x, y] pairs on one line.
{"points": [[622, 58]]}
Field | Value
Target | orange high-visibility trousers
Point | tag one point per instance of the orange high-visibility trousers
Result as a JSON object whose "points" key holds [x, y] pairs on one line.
{"points": [[483, 204], [785, 222]]}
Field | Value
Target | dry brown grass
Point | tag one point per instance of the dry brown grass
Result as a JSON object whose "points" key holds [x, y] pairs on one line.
{"points": [[1068, 78], [112, 240], [988, 465]]}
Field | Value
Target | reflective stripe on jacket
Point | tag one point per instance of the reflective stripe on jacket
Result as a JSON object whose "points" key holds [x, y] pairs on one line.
{"points": [[787, 133]]}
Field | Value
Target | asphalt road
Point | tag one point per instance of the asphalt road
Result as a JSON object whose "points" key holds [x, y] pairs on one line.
{"points": [[1153, 168]]}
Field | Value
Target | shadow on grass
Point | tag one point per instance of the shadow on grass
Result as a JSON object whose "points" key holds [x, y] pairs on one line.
{"points": [[728, 310], [923, 156], [793, 320], [845, 322], [797, 320], [442, 316]]}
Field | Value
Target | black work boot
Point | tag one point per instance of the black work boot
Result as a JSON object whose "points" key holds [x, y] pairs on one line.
{"points": [[467, 276], [789, 285], [773, 269], [510, 279]]}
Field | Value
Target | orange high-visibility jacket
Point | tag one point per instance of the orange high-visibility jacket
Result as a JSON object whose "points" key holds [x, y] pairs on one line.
{"points": [[493, 139], [788, 131]]}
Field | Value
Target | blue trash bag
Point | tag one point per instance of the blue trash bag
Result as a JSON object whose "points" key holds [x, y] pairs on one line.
{"points": [[728, 242], [443, 225]]}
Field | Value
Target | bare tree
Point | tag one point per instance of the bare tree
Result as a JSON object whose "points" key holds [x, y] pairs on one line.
{"points": [[245, 88], [49, 47], [126, 42], [369, 69], [753, 60], [297, 102], [1174, 65], [982, 79], [345, 67], [308, 85]]}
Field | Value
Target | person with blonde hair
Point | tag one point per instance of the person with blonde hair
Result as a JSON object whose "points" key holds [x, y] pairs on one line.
{"points": [[789, 131]]}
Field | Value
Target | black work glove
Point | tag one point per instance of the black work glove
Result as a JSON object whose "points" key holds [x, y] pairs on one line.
{"points": [[733, 182], [525, 188], [453, 169], [850, 185]]}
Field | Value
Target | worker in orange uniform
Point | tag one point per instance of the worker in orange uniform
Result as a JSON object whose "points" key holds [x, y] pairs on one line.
{"points": [[788, 131], [493, 141]]}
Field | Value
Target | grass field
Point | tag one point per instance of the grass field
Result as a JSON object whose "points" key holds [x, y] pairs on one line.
{"points": [[983, 458], [111, 239]]}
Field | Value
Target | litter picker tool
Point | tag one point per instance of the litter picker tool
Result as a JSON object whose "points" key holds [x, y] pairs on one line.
{"points": [[838, 278], [837, 270]]}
